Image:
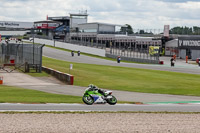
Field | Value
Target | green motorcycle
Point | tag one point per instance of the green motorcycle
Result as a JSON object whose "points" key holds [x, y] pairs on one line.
{"points": [[98, 96]]}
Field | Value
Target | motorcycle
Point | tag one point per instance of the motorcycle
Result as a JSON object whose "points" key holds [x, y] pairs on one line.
{"points": [[98, 96]]}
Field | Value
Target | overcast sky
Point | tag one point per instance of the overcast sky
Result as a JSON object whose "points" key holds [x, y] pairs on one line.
{"points": [[140, 14]]}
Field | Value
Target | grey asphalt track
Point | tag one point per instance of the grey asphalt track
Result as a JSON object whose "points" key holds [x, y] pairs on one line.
{"points": [[180, 66], [87, 108]]}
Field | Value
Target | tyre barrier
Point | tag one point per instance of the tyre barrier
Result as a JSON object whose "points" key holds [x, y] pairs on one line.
{"points": [[64, 77]]}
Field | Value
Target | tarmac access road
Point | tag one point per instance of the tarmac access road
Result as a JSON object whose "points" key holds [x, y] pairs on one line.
{"points": [[100, 108], [180, 65]]}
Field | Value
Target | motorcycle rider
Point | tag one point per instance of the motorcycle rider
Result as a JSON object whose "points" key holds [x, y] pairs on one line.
{"points": [[95, 88], [72, 53]]}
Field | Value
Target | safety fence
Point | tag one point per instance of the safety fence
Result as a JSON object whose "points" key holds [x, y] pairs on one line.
{"points": [[21, 56], [135, 55]]}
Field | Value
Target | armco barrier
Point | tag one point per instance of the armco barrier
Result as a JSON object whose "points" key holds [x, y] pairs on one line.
{"points": [[134, 59], [64, 77]]}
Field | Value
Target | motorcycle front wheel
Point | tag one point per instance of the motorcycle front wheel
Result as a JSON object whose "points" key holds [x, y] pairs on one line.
{"points": [[88, 100], [112, 101]]}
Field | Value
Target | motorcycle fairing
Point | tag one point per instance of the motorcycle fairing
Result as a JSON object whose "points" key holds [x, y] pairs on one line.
{"points": [[98, 99]]}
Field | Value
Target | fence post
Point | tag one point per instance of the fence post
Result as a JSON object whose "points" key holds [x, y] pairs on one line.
{"points": [[40, 69], [26, 67]]}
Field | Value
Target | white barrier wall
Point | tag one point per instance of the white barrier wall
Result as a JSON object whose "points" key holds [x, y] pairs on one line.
{"points": [[13, 33], [84, 49]]}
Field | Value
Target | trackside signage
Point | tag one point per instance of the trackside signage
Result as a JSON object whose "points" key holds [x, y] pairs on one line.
{"points": [[10, 24], [190, 43], [4, 24]]}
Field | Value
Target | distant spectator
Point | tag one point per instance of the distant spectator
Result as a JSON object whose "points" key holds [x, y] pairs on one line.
{"points": [[172, 61]]}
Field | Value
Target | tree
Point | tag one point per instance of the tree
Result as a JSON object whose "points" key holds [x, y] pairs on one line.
{"points": [[141, 32], [196, 30], [127, 28], [185, 30]]}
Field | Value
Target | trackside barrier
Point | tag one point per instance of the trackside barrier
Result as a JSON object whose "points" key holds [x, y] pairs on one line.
{"points": [[64, 77], [1, 80], [134, 59], [71, 80], [161, 62]]}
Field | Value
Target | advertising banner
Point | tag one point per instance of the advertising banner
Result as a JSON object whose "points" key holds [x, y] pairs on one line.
{"points": [[47, 26], [153, 50], [14, 24]]}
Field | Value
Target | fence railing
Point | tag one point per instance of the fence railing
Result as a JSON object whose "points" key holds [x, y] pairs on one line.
{"points": [[135, 55], [27, 56]]}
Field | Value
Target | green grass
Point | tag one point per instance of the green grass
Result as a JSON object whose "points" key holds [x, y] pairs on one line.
{"points": [[19, 95], [129, 79], [10, 94]]}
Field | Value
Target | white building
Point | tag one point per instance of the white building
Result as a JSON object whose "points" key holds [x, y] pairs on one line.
{"points": [[15, 25], [14, 28]]}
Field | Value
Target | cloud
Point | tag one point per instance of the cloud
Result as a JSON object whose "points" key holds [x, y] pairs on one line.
{"points": [[179, 1], [152, 14]]}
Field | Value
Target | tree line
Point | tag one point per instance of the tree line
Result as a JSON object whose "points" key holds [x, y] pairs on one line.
{"points": [[195, 30]]}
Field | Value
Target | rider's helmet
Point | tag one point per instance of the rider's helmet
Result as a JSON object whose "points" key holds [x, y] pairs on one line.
{"points": [[92, 86]]}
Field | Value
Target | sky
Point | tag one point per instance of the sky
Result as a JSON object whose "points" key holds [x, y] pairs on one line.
{"points": [[140, 14]]}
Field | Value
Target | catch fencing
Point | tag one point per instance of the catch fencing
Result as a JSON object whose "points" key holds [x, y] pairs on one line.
{"points": [[135, 55], [21, 56]]}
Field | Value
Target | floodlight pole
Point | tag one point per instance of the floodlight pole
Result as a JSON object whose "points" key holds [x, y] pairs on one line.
{"points": [[33, 42]]}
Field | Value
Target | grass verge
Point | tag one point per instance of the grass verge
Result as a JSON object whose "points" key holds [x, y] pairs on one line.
{"points": [[18, 95], [129, 79], [10, 94]]}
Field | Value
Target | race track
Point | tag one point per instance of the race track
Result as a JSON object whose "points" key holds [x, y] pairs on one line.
{"points": [[78, 91], [66, 56], [99, 107]]}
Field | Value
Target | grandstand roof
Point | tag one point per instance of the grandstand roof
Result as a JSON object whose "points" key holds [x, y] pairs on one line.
{"points": [[47, 21]]}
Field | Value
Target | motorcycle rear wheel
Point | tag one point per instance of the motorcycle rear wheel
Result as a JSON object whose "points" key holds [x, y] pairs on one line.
{"points": [[88, 100], [112, 101]]}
